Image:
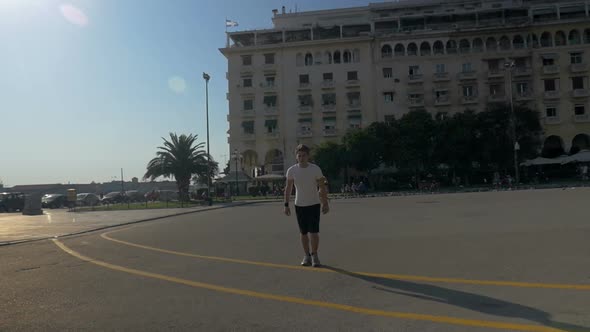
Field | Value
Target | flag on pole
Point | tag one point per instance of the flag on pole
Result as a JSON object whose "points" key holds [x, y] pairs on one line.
{"points": [[230, 23]]}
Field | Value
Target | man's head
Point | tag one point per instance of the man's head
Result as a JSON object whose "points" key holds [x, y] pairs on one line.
{"points": [[302, 153]]}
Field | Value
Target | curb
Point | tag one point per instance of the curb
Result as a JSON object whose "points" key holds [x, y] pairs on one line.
{"points": [[8, 243]]}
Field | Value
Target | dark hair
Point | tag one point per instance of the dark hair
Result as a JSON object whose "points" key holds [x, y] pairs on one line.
{"points": [[302, 148]]}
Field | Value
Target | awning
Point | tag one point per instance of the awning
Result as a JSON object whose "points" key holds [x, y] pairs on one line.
{"points": [[580, 157], [543, 161], [270, 177]]}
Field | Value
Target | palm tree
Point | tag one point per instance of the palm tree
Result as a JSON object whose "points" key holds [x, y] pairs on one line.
{"points": [[181, 158]]}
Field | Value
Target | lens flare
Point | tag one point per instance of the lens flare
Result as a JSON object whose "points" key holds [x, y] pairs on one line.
{"points": [[177, 84], [73, 15]]}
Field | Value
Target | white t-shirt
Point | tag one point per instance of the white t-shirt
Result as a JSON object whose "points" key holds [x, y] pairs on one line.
{"points": [[306, 185]]}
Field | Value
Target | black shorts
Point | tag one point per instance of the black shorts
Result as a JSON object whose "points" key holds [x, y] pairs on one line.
{"points": [[308, 218]]}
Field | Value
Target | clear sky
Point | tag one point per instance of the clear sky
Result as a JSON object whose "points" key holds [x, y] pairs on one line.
{"points": [[90, 86]]}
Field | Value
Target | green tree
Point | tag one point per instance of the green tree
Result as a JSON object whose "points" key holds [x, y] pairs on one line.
{"points": [[417, 140], [457, 141], [362, 150], [387, 141], [330, 157], [180, 157]]}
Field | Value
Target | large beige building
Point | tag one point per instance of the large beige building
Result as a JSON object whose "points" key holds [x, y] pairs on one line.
{"points": [[317, 74]]}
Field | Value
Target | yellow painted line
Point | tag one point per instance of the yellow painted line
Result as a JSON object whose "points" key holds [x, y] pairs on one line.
{"points": [[583, 287], [297, 300]]}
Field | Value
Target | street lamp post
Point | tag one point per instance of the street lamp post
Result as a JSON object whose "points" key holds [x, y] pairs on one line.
{"points": [[236, 157], [509, 67], [206, 77]]}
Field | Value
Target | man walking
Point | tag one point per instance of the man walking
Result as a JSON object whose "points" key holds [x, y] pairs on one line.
{"points": [[307, 178]]}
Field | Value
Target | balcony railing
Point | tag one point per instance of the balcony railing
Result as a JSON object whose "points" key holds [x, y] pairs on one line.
{"points": [[440, 77], [327, 84], [578, 67], [354, 104], [496, 98], [268, 86], [330, 132], [551, 69], [329, 107], [495, 73], [580, 93], [442, 101], [270, 109], [551, 94], [415, 78], [248, 112], [304, 86], [353, 82], [466, 75], [248, 136], [304, 133], [416, 102], [523, 71], [552, 120], [304, 109], [272, 134], [581, 118], [470, 99], [524, 95]]}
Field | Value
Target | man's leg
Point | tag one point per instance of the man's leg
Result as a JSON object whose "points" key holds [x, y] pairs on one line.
{"points": [[315, 242], [305, 243]]}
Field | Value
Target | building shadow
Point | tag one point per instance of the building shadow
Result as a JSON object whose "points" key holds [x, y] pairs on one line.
{"points": [[480, 303]]}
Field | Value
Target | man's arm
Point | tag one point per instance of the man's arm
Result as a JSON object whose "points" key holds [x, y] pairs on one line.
{"points": [[288, 190], [322, 182]]}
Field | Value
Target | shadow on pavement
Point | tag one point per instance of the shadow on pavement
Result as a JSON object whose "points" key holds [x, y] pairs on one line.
{"points": [[480, 303]]}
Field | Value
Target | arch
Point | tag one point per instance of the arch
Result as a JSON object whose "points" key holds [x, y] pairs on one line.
{"points": [[356, 55], [299, 59], [464, 46], [580, 142], [318, 58], [412, 49], [587, 36], [328, 57], [532, 41], [249, 160], [336, 57], [546, 40], [273, 162], [574, 38], [400, 50], [439, 47], [491, 44], [560, 38], [425, 49], [518, 42], [308, 59], [451, 47], [478, 45], [552, 147], [386, 51], [505, 44], [346, 56]]}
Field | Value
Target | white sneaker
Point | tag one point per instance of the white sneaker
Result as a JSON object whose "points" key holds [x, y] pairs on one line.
{"points": [[315, 260], [306, 260]]}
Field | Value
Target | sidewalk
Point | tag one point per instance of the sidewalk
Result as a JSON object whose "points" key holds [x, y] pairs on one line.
{"points": [[17, 228]]}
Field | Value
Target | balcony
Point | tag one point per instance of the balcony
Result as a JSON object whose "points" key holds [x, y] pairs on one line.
{"points": [[351, 83], [268, 86], [551, 120], [327, 108], [269, 67], [304, 133], [248, 137], [551, 95], [442, 101], [581, 118], [272, 134], [523, 71], [330, 132], [551, 69], [495, 73], [441, 77], [578, 67], [467, 75], [248, 113], [416, 102], [524, 95], [580, 93], [270, 109], [328, 84], [305, 86], [415, 78], [304, 109], [469, 100], [497, 98]]}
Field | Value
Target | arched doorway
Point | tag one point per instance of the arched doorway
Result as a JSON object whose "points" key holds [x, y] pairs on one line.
{"points": [[580, 142], [250, 162], [552, 147], [273, 162]]}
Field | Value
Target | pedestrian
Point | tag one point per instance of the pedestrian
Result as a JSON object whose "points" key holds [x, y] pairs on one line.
{"points": [[307, 178]]}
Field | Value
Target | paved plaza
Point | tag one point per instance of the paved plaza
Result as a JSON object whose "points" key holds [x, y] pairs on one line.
{"points": [[496, 261]]}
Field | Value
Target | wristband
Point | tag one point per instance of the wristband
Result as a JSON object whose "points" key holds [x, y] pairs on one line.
{"points": [[286, 204]]}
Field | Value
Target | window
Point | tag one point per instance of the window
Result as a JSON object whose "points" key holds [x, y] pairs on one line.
{"points": [[550, 85], [494, 65], [246, 60], [354, 121], [304, 79], [414, 70], [551, 112], [270, 101], [248, 127], [441, 68], [388, 97], [387, 72], [352, 76], [330, 124], [336, 57], [579, 109], [440, 116], [248, 104], [496, 90], [548, 62], [270, 81], [576, 58], [328, 77], [305, 100], [354, 98], [247, 83], [269, 58], [441, 95], [522, 88], [329, 99], [271, 126], [467, 67], [305, 126], [577, 83], [308, 59], [468, 91]]}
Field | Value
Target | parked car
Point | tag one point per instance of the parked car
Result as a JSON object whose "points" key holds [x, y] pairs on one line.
{"points": [[87, 199], [54, 201], [135, 196], [162, 195], [114, 198], [10, 202]]}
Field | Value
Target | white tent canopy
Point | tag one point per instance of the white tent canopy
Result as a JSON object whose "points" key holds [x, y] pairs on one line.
{"points": [[580, 157], [270, 177], [544, 161]]}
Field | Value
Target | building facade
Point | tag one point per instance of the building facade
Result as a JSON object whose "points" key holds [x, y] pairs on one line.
{"points": [[316, 75]]}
